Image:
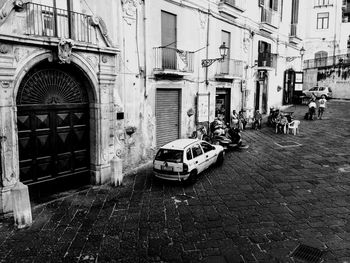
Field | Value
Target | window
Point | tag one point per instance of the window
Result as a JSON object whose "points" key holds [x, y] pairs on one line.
{"points": [[321, 58], [189, 154], [173, 156], [264, 55], [197, 151], [322, 20], [168, 35], [226, 37], [206, 147]]}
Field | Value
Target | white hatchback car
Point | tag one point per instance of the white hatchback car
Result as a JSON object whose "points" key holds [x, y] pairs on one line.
{"points": [[318, 92], [184, 159]]}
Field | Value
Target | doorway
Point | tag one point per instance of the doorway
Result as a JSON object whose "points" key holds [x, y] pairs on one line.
{"points": [[223, 103]]}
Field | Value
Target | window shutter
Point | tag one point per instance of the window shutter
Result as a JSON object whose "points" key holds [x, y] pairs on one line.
{"points": [[275, 5]]}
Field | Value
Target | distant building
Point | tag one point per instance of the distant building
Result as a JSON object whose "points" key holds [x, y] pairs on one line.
{"points": [[327, 45]]}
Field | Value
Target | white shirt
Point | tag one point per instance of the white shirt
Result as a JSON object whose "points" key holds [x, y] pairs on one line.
{"points": [[322, 103]]}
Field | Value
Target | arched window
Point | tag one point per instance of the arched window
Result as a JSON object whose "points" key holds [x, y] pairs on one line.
{"points": [[321, 58]]}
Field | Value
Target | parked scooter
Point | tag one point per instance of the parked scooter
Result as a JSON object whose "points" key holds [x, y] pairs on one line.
{"points": [[229, 138], [234, 134], [201, 134], [218, 133]]}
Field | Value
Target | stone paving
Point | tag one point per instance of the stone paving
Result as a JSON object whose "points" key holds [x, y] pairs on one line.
{"points": [[256, 207]]}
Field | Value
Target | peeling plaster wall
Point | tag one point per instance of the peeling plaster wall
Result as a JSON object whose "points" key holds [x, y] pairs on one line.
{"points": [[338, 79]]}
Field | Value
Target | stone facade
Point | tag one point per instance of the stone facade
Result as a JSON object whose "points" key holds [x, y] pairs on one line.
{"points": [[97, 62]]}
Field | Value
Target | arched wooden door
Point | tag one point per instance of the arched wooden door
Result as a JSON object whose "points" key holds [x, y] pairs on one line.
{"points": [[53, 132]]}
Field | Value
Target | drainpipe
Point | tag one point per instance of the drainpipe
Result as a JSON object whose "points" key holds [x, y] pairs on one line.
{"points": [[145, 47]]}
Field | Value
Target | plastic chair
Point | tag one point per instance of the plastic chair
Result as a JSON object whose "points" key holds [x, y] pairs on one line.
{"points": [[294, 126]]}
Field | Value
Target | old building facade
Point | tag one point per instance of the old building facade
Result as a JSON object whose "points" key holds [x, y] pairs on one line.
{"points": [[57, 102], [327, 45], [84, 84]]}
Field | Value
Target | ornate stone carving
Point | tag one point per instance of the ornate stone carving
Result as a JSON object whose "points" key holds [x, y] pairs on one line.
{"points": [[93, 61], [4, 49], [65, 50], [5, 84], [202, 19], [130, 9], [20, 53], [98, 22], [7, 7]]}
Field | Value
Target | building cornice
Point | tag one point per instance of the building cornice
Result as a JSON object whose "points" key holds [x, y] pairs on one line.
{"points": [[53, 42]]}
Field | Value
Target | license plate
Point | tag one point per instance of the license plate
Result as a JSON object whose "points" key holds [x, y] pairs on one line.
{"points": [[166, 168]]}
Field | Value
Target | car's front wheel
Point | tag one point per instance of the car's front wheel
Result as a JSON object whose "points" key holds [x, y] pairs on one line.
{"points": [[220, 159]]}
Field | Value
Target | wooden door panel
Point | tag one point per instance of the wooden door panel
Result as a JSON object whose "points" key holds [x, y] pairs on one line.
{"points": [[53, 141]]}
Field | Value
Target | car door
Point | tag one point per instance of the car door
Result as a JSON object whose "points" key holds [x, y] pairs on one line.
{"points": [[198, 157], [209, 153]]}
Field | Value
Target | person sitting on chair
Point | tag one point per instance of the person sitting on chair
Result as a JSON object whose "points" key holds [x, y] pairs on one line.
{"points": [[282, 122]]}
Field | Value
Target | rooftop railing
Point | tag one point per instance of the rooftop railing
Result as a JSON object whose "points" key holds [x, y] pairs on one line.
{"points": [[327, 61], [47, 21], [168, 58]]}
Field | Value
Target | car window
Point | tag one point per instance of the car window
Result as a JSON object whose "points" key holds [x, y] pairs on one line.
{"points": [[313, 89], [322, 88], [189, 154], [197, 150], [206, 147], [168, 155]]}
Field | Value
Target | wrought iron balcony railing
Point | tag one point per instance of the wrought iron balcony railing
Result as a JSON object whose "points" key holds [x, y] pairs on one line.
{"points": [[48, 21], [270, 17], [319, 3], [230, 67], [240, 4], [266, 59], [167, 58], [327, 61]]}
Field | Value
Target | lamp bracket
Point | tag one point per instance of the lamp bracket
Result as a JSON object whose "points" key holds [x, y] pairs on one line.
{"points": [[209, 61]]}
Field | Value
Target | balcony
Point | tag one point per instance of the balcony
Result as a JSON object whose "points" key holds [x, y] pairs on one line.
{"points": [[322, 3], [229, 69], [46, 21], [267, 61], [269, 20], [232, 8], [172, 61], [330, 61], [293, 38]]}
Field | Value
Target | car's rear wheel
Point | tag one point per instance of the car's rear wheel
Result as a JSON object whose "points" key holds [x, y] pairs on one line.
{"points": [[192, 178], [220, 159]]}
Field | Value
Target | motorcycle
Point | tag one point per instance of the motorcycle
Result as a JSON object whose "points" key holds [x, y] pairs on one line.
{"points": [[228, 138], [201, 134]]}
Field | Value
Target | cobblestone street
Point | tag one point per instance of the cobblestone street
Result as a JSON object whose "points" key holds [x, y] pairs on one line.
{"points": [[258, 206]]}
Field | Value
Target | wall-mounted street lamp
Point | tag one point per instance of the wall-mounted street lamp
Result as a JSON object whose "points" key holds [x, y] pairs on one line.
{"points": [[223, 53]]}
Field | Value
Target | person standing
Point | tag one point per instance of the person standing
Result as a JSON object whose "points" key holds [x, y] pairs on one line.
{"points": [[321, 106], [234, 119], [242, 120], [312, 109]]}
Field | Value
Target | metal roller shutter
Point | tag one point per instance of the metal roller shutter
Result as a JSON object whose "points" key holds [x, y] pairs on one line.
{"points": [[167, 116]]}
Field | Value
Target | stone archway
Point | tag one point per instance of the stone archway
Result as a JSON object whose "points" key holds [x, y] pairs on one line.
{"points": [[54, 128]]}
